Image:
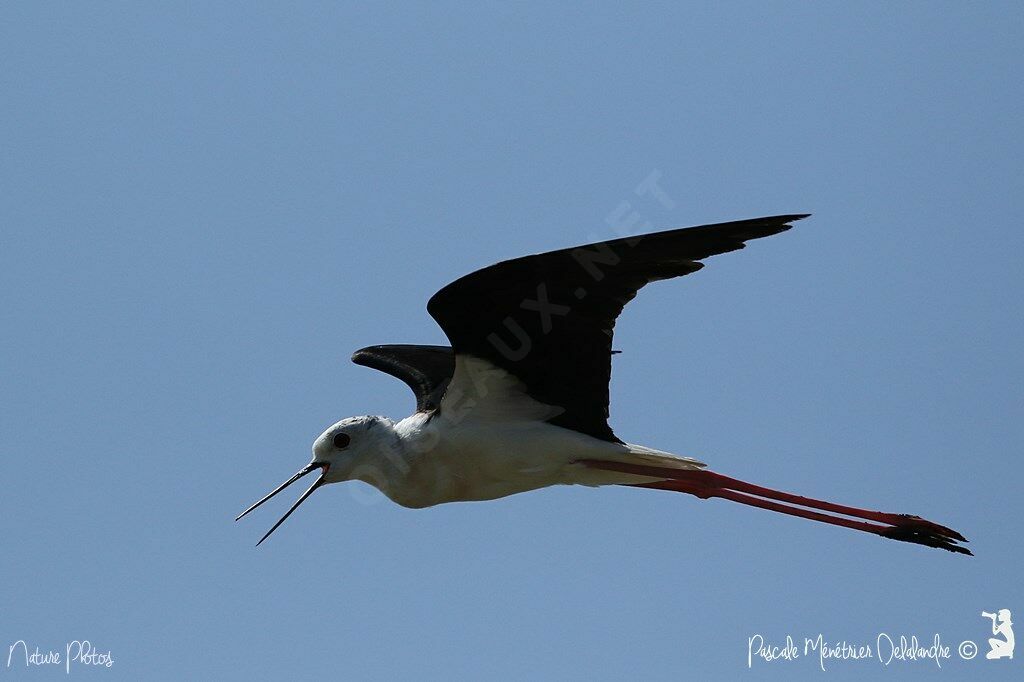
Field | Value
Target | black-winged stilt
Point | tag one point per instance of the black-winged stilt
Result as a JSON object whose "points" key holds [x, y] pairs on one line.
{"points": [[520, 399]]}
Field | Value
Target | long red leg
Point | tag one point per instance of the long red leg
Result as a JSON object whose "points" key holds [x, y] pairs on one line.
{"points": [[705, 484]]}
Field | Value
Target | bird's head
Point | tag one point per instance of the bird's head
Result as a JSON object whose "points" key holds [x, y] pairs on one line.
{"points": [[350, 445], [341, 453]]}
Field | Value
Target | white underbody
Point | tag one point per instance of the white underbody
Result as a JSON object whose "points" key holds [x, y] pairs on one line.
{"points": [[489, 440], [461, 462]]}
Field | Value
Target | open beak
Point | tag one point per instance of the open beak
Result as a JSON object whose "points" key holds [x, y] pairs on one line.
{"points": [[323, 466]]}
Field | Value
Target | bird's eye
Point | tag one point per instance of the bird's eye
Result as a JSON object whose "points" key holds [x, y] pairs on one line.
{"points": [[341, 440]]}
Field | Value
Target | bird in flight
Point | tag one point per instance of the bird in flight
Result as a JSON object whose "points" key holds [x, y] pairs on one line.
{"points": [[520, 399]]}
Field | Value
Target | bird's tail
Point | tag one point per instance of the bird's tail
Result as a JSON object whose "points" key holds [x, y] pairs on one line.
{"points": [[645, 456]]}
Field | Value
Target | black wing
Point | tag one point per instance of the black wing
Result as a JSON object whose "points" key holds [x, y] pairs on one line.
{"points": [[425, 369], [548, 318]]}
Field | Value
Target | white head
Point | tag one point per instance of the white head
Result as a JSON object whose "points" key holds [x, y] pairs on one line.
{"points": [[353, 448]]}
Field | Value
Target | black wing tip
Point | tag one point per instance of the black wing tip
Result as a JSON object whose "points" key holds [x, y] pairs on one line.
{"points": [[391, 347], [764, 220], [785, 221], [732, 236], [769, 225], [366, 357], [370, 355], [367, 352]]}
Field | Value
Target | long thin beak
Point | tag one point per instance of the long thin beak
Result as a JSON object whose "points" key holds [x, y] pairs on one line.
{"points": [[302, 472]]}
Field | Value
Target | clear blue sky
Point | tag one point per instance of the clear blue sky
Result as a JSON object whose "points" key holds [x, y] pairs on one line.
{"points": [[207, 206]]}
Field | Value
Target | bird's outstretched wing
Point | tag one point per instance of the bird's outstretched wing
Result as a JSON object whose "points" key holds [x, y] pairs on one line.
{"points": [[548, 318], [425, 369]]}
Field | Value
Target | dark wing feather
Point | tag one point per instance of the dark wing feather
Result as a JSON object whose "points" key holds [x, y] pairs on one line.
{"points": [[425, 369], [548, 318]]}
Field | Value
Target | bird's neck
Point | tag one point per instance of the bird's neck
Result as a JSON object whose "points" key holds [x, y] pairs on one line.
{"points": [[384, 464], [393, 467]]}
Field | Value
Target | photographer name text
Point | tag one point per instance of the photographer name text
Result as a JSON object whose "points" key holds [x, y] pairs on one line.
{"points": [[885, 649]]}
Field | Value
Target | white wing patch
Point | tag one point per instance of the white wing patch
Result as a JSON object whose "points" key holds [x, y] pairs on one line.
{"points": [[481, 391]]}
